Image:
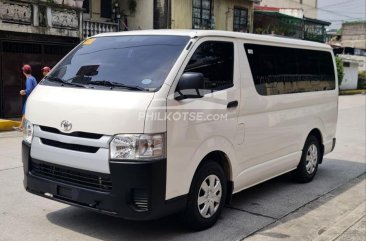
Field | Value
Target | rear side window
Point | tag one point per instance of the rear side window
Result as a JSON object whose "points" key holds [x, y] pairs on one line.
{"points": [[280, 70], [215, 60]]}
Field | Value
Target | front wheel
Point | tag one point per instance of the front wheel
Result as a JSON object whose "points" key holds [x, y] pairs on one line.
{"points": [[207, 196], [310, 157]]}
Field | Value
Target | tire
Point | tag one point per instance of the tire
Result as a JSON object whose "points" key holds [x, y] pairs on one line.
{"points": [[308, 166], [204, 215]]}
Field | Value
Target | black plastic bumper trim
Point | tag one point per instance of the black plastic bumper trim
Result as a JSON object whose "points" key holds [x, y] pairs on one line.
{"points": [[334, 143], [126, 176]]}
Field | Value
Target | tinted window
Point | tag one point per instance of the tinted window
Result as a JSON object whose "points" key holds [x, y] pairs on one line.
{"points": [[279, 70], [142, 61], [215, 60]]}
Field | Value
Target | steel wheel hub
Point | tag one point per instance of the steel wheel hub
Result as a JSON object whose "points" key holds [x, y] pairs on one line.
{"points": [[311, 158], [209, 196]]}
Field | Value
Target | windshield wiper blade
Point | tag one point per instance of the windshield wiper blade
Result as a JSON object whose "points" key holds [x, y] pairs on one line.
{"points": [[112, 84], [63, 82]]}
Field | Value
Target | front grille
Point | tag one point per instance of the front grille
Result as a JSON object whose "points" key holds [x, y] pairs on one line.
{"points": [[140, 198], [75, 134], [83, 178], [73, 147]]}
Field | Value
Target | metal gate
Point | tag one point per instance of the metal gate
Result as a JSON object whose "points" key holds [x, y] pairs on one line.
{"points": [[13, 56]]}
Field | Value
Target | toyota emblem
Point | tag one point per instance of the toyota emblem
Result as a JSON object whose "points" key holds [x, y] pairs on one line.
{"points": [[66, 125]]}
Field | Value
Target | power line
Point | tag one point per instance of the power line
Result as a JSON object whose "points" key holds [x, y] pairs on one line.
{"points": [[324, 10], [340, 3]]}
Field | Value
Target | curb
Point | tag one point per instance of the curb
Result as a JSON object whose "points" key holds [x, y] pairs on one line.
{"points": [[7, 125]]}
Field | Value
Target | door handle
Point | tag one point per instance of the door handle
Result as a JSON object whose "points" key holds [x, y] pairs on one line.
{"points": [[232, 104]]}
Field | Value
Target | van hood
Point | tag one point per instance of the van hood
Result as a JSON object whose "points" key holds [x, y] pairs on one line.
{"points": [[105, 112]]}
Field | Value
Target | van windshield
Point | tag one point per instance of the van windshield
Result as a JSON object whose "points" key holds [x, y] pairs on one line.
{"points": [[119, 62]]}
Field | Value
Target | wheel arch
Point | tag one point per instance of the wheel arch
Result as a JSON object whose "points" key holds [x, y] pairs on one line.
{"points": [[318, 134], [221, 158]]}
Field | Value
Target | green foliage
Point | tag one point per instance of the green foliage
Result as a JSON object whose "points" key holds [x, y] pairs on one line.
{"points": [[340, 70], [361, 84]]}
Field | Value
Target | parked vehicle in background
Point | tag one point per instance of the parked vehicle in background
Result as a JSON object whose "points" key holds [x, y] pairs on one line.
{"points": [[148, 123]]}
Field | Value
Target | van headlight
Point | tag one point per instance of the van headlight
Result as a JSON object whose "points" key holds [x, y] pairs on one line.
{"points": [[138, 146], [27, 131]]}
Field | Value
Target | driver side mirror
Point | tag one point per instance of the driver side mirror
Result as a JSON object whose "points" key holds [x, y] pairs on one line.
{"points": [[189, 85]]}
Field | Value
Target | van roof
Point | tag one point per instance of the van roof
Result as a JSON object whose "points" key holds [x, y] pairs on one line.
{"points": [[219, 33]]}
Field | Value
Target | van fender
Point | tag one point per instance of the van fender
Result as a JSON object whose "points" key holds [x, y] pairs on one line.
{"points": [[315, 124], [215, 143]]}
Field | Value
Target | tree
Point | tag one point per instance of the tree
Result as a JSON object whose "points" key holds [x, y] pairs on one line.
{"points": [[340, 70]]}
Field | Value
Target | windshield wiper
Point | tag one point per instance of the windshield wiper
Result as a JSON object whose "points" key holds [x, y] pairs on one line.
{"points": [[112, 85], [63, 82]]}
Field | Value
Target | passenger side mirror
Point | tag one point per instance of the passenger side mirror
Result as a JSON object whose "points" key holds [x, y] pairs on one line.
{"points": [[189, 85]]}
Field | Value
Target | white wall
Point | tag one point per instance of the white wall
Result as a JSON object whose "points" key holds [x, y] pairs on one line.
{"points": [[309, 6], [143, 17], [350, 78]]}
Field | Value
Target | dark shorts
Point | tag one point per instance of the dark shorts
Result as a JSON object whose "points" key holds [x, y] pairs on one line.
{"points": [[23, 109]]}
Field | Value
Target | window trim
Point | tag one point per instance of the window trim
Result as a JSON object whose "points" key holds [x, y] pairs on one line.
{"points": [[247, 17], [193, 51], [201, 11]]}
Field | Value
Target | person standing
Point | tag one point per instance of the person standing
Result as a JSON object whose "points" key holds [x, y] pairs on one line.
{"points": [[45, 70], [30, 84]]}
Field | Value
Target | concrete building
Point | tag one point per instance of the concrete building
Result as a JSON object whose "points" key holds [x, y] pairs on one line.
{"points": [[350, 78], [354, 35], [309, 7], [35, 32], [289, 22], [232, 15]]}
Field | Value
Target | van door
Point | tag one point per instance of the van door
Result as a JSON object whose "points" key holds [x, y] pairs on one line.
{"points": [[198, 125]]}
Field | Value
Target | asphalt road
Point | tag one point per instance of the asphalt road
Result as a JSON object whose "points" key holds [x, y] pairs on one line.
{"points": [[268, 206]]}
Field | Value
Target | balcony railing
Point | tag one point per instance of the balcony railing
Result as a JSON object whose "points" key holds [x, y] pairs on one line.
{"points": [[91, 28], [40, 17]]}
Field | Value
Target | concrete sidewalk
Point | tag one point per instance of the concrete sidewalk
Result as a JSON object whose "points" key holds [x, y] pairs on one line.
{"points": [[338, 215], [10, 134]]}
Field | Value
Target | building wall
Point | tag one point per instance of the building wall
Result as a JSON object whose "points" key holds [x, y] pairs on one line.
{"points": [[94, 14], [350, 78], [143, 18], [361, 60], [354, 35], [32, 32], [309, 6], [223, 13], [181, 14]]}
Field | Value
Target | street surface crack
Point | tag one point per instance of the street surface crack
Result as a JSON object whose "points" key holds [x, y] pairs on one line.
{"points": [[6, 169]]}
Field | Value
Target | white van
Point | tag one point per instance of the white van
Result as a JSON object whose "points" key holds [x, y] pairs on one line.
{"points": [[143, 124]]}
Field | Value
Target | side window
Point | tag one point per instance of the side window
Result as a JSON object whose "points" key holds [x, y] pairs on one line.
{"points": [[215, 60], [280, 70]]}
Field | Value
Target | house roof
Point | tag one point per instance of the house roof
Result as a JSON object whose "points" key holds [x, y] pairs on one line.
{"points": [[317, 21]]}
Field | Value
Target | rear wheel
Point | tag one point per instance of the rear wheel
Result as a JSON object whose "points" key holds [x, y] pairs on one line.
{"points": [[207, 196], [308, 166]]}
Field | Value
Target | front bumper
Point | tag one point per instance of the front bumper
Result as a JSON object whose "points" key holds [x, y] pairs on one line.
{"points": [[133, 183]]}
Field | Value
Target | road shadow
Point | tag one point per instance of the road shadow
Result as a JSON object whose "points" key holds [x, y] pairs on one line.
{"points": [[250, 210]]}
